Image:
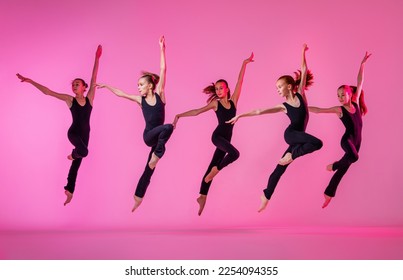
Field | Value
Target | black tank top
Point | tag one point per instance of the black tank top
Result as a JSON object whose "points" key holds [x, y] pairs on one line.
{"points": [[223, 115], [298, 115], [352, 123], [81, 118], [153, 115]]}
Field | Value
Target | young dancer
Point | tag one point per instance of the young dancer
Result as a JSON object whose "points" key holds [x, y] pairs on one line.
{"points": [[350, 112], [156, 133], [224, 106], [79, 131], [300, 142]]}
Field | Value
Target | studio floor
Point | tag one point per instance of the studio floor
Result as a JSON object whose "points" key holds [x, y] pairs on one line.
{"points": [[280, 243]]}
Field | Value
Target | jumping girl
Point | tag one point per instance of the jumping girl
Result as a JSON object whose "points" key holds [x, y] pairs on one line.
{"points": [[224, 106], [79, 131], [300, 142], [156, 133], [350, 113]]}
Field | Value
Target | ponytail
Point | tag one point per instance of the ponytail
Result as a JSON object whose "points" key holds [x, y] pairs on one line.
{"points": [[308, 81]]}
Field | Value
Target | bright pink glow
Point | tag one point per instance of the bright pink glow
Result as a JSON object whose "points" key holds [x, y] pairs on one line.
{"points": [[54, 42]]}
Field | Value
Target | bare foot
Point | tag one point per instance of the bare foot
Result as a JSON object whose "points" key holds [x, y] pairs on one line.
{"points": [[329, 167], [263, 203], [202, 201], [70, 157], [286, 159], [153, 161], [214, 171], [137, 202], [327, 201], [69, 197]]}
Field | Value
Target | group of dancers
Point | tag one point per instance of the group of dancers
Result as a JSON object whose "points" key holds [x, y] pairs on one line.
{"points": [[151, 99]]}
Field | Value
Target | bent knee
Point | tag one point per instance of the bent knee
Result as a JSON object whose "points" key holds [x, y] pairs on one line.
{"points": [[319, 144]]}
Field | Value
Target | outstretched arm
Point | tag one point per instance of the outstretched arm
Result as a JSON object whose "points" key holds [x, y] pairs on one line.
{"points": [[120, 93], [256, 112], [238, 87], [304, 70], [191, 113], [317, 110], [163, 70], [360, 77], [91, 91], [64, 97]]}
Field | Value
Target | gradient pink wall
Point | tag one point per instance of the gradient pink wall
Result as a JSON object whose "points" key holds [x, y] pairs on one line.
{"points": [[54, 42]]}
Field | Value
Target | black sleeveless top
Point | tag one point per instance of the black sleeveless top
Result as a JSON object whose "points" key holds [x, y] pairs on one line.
{"points": [[81, 118], [223, 115], [298, 115], [352, 123], [153, 115]]}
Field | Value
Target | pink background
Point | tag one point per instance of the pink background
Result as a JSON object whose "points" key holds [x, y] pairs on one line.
{"points": [[54, 42]]}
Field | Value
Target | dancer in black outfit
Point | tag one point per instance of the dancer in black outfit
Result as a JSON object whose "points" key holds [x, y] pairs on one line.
{"points": [[79, 131], [300, 142], [225, 108], [156, 134], [350, 113]]}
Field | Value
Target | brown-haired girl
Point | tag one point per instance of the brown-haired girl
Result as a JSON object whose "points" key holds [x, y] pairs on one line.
{"points": [[224, 106], [156, 134], [300, 142], [350, 112], [79, 131]]}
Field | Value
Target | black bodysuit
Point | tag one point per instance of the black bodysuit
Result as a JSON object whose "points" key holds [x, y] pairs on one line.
{"points": [[300, 142], [225, 153], [350, 143], [155, 135], [79, 136]]}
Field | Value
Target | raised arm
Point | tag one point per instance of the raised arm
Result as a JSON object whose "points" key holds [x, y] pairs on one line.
{"points": [[163, 70], [91, 91], [238, 87], [336, 110], [191, 113], [256, 112], [120, 93], [304, 70], [64, 97], [360, 77]]}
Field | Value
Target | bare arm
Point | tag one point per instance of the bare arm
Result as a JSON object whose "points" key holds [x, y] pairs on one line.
{"points": [[120, 93], [64, 97], [163, 69], [317, 110], [238, 87], [360, 77], [195, 112], [91, 91], [304, 70], [256, 112]]}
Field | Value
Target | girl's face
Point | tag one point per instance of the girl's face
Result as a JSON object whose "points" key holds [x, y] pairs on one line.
{"points": [[143, 86], [283, 88], [77, 87], [343, 95], [221, 89]]}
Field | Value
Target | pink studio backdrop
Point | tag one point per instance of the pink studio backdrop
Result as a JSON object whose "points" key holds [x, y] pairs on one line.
{"points": [[54, 42]]}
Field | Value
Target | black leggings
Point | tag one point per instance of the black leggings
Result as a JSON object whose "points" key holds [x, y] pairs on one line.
{"points": [[155, 138], [79, 152], [224, 154], [341, 166], [300, 143]]}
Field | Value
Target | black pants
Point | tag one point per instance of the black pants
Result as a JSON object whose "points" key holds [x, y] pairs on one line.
{"points": [[156, 139], [224, 154], [79, 152], [300, 143], [341, 166]]}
